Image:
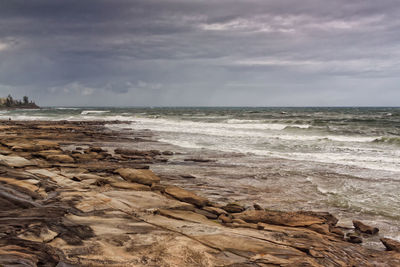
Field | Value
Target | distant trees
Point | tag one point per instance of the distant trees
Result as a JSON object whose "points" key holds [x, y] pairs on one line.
{"points": [[10, 102]]}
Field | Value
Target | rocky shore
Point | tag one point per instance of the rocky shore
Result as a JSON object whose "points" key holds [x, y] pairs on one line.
{"points": [[72, 195]]}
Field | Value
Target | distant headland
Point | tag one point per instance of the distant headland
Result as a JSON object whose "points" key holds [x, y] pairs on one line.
{"points": [[10, 103]]}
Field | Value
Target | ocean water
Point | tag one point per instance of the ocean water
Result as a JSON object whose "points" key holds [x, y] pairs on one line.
{"points": [[349, 156]]}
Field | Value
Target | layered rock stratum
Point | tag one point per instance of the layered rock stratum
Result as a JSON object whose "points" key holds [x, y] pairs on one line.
{"points": [[69, 198]]}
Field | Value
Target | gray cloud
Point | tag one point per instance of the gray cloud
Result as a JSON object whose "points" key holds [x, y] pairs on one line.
{"points": [[178, 52]]}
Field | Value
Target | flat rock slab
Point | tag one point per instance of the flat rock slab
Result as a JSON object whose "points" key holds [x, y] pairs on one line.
{"points": [[131, 186], [144, 200], [185, 215], [293, 219], [186, 196], [146, 177], [15, 161]]}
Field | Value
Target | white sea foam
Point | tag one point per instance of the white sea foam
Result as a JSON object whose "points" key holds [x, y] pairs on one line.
{"points": [[86, 112]]}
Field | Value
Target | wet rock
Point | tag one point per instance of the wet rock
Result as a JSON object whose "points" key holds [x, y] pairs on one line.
{"points": [[279, 218], [146, 177], [233, 208], [186, 196], [363, 228], [390, 244]]}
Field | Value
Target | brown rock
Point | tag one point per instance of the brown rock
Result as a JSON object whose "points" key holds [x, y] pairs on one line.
{"points": [[337, 231], [199, 160], [131, 186], [184, 215], [225, 218], [209, 215], [158, 187], [391, 244], [238, 221], [257, 207], [354, 239], [278, 218], [214, 210], [363, 228], [186, 196], [15, 161], [60, 158], [320, 228], [96, 149], [146, 177], [233, 208], [47, 145]]}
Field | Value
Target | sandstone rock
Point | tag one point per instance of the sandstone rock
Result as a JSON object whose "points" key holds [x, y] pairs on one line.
{"points": [[47, 145], [233, 208], [238, 221], [363, 228], [15, 161], [186, 196], [60, 158], [225, 218], [337, 231], [354, 239], [209, 215], [326, 216], [278, 218], [320, 228], [158, 187], [391, 244], [199, 160], [96, 149], [184, 215], [146, 177], [214, 210], [131, 186], [257, 207]]}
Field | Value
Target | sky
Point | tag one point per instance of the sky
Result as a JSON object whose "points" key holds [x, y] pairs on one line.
{"points": [[201, 53]]}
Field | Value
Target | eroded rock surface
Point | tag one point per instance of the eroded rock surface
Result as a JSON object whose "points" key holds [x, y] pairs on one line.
{"points": [[104, 209]]}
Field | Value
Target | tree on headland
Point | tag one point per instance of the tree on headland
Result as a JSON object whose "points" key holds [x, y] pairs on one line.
{"points": [[10, 102]]}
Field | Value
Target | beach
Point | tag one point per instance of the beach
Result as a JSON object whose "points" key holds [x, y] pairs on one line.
{"points": [[106, 191]]}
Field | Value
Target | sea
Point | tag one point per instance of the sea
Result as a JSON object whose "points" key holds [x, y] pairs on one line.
{"points": [[345, 160]]}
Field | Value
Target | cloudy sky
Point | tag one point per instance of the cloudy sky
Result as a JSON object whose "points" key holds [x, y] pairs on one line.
{"points": [[214, 52]]}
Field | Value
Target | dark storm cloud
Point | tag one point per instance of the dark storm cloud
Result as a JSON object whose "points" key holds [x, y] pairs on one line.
{"points": [[179, 52]]}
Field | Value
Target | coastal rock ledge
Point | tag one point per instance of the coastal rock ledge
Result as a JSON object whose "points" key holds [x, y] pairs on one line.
{"points": [[68, 199]]}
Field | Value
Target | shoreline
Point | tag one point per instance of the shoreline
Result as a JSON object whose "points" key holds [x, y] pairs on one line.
{"points": [[70, 197]]}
